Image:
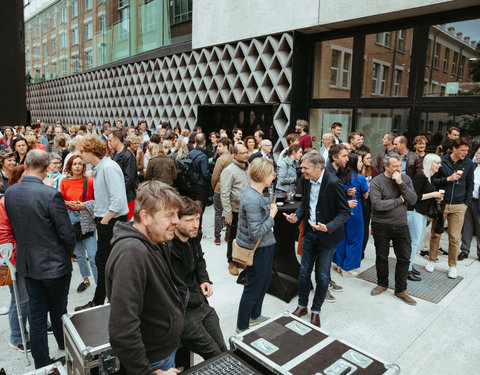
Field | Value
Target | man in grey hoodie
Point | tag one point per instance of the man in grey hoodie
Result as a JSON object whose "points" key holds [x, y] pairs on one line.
{"points": [[147, 299]]}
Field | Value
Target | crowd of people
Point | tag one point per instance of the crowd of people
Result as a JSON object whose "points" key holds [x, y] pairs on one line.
{"points": [[127, 205]]}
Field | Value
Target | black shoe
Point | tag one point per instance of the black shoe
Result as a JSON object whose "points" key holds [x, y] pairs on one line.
{"points": [[442, 252], [87, 306], [83, 286], [415, 271], [20, 348], [413, 277], [462, 256]]}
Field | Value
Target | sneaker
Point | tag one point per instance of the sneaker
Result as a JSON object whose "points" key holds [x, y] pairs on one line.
{"points": [[406, 298], [334, 287], [442, 252], [424, 253], [452, 272], [4, 310], [238, 330], [83, 286], [260, 319], [430, 267], [218, 241], [87, 306], [329, 298], [20, 348], [50, 330]]}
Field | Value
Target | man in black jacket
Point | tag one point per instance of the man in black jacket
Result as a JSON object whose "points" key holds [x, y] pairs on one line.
{"points": [[147, 300], [324, 210], [45, 243], [455, 176], [128, 163], [202, 333]]}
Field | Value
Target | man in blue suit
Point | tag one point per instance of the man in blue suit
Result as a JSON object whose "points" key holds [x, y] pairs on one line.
{"points": [[325, 210], [45, 242]]}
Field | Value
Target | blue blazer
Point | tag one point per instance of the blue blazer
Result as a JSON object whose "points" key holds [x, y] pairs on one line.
{"points": [[45, 236], [332, 209]]}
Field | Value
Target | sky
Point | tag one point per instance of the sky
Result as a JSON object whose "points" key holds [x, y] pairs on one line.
{"points": [[468, 28]]}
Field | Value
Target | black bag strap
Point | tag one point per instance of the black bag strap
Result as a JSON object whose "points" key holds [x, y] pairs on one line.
{"points": [[84, 195]]}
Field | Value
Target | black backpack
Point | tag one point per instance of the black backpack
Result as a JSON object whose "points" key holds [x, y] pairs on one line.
{"points": [[187, 174]]}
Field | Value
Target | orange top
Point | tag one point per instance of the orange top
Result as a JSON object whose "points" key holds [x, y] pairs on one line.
{"points": [[39, 146], [72, 189]]}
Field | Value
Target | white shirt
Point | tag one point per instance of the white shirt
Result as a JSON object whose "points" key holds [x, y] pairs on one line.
{"points": [[314, 193], [476, 180]]}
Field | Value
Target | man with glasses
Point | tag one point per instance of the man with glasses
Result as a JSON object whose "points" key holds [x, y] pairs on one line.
{"points": [[264, 152]]}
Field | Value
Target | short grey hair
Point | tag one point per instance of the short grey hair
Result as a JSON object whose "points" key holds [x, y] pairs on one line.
{"points": [[391, 155], [330, 136], [37, 159], [314, 158]]}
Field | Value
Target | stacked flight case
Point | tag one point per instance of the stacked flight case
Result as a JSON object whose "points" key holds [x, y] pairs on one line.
{"points": [[288, 345], [87, 344], [53, 369]]}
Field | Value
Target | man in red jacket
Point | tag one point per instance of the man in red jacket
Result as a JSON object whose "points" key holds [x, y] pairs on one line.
{"points": [[304, 140]]}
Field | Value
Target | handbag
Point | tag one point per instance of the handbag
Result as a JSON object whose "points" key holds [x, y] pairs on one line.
{"points": [[242, 255], [5, 276], [79, 236]]}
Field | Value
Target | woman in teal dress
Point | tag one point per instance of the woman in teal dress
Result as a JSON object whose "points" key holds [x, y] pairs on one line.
{"points": [[349, 252]]}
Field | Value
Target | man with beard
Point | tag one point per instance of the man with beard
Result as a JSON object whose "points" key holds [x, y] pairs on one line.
{"points": [[146, 303], [304, 140], [202, 333]]}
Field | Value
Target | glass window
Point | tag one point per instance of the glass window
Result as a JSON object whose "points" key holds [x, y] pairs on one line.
{"points": [[63, 14], [54, 46], [54, 70], [182, 10], [74, 8], [88, 31], [88, 5], [321, 120], [102, 24], [333, 68], [44, 24], [387, 56], [52, 20], [64, 66], [63, 40], [374, 123], [456, 46], [45, 49], [102, 53], [75, 36], [75, 64], [88, 60], [123, 20]]}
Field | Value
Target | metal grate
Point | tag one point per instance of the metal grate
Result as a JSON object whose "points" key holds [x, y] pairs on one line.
{"points": [[433, 287]]}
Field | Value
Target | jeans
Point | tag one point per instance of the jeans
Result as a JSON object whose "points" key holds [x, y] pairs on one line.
{"points": [[400, 237], [417, 224], [164, 364], [48, 295], [232, 235], [202, 333], [15, 333], [217, 206], [89, 245], [313, 251], [258, 280], [455, 215], [104, 248]]}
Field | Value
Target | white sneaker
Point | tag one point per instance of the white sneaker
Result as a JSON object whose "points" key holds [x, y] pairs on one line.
{"points": [[452, 272], [4, 310], [430, 267]]}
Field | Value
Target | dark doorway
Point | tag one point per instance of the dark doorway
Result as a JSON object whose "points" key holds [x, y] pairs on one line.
{"points": [[249, 118]]}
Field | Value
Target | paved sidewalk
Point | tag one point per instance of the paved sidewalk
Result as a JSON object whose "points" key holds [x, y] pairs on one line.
{"points": [[426, 339]]}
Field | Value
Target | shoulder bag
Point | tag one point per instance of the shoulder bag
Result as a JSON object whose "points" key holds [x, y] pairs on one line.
{"points": [[77, 226], [242, 255], [5, 276]]}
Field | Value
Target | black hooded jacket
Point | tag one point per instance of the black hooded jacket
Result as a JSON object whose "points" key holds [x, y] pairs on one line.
{"points": [[146, 304]]}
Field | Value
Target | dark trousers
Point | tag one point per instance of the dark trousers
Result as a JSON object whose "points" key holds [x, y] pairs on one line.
{"points": [[48, 295], [258, 280], [400, 237], [232, 235], [367, 209], [104, 248], [471, 227], [202, 333], [200, 193]]}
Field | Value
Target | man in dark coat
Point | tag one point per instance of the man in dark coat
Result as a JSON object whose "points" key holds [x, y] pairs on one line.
{"points": [[128, 163], [45, 243], [325, 210], [202, 333]]}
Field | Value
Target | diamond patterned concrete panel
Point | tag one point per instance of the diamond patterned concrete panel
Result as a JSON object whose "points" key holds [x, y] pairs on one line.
{"points": [[257, 71]]}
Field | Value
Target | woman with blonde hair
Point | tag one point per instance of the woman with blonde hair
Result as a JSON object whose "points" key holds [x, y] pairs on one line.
{"points": [[160, 166], [427, 197], [255, 223]]}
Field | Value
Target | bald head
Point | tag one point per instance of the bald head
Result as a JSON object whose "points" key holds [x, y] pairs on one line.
{"points": [[200, 139]]}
